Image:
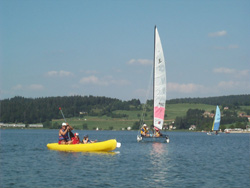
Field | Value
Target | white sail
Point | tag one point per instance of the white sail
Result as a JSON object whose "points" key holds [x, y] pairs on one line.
{"points": [[160, 89]]}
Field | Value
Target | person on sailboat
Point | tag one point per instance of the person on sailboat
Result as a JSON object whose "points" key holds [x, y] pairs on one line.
{"points": [[76, 139], [144, 130], [157, 132], [86, 140], [63, 134]]}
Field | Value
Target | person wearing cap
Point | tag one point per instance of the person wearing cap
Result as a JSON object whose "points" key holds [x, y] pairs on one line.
{"points": [[75, 139], [63, 134], [86, 140], [144, 130]]}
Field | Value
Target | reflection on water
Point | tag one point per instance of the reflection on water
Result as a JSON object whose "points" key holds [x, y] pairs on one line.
{"points": [[159, 162], [107, 153]]}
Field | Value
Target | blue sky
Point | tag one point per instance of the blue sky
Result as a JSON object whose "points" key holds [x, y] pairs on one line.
{"points": [[105, 47]]}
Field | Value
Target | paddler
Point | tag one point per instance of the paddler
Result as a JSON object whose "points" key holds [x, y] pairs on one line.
{"points": [[144, 130], [63, 134]]}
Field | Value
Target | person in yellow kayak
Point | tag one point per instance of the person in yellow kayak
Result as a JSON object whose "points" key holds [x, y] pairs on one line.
{"points": [[76, 139], [63, 134], [144, 130], [86, 140]]}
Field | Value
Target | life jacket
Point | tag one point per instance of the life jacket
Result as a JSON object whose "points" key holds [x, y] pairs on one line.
{"points": [[64, 137], [75, 141], [87, 141], [143, 130]]}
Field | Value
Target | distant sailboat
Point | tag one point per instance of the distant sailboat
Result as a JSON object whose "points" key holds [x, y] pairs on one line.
{"points": [[216, 123], [160, 87]]}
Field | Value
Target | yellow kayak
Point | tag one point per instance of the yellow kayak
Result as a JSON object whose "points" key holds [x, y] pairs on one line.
{"points": [[107, 145]]}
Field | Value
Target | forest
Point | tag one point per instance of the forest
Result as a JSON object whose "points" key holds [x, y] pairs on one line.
{"points": [[231, 100], [196, 117], [40, 110]]}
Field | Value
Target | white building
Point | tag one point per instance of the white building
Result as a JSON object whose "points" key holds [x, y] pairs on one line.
{"points": [[192, 127], [36, 126]]}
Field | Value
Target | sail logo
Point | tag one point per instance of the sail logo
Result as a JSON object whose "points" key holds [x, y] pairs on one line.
{"points": [[161, 104], [160, 60]]}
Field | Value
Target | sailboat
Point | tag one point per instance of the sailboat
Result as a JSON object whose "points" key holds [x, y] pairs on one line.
{"points": [[216, 123], [159, 88]]}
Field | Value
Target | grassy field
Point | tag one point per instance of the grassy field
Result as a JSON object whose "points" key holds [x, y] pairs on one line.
{"points": [[106, 123]]}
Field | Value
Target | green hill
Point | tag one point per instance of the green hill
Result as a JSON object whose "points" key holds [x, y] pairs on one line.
{"points": [[89, 112]]}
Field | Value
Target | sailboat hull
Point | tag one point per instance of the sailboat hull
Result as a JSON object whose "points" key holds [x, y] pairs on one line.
{"points": [[163, 138]]}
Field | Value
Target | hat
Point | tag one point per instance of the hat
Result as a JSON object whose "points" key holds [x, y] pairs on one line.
{"points": [[76, 134], [144, 125], [156, 129], [64, 124], [86, 136]]}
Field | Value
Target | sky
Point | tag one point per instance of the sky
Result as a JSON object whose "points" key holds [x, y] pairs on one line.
{"points": [[105, 47]]}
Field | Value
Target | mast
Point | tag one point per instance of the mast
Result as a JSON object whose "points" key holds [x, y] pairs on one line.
{"points": [[154, 74]]}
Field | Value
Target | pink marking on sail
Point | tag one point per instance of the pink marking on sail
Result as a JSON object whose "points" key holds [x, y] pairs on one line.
{"points": [[159, 112]]}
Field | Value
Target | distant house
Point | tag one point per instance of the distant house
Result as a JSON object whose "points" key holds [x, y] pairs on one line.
{"points": [[241, 114], [244, 115], [226, 108], [208, 114], [36, 125], [192, 127], [14, 125], [82, 113]]}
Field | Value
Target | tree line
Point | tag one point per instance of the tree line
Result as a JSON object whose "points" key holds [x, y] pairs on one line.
{"points": [[231, 100], [39, 110], [196, 117]]}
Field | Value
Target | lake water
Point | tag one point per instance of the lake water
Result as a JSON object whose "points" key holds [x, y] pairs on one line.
{"points": [[189, 160]]}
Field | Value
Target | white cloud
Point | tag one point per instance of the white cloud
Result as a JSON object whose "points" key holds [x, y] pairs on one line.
{"points": [[17, 87], [217, 34], [60, 73], [105, 81], [140, 61], [233, 72], [36, 87], [224, 70], [185, 88], [91, 80], [244, 73], [228, 84]]}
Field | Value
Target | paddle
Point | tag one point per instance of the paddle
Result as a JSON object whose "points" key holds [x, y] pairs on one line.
{"points": [[71, 135]]}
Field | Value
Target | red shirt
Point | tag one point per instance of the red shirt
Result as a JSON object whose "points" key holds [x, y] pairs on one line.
{"points": [[75, 140]]}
